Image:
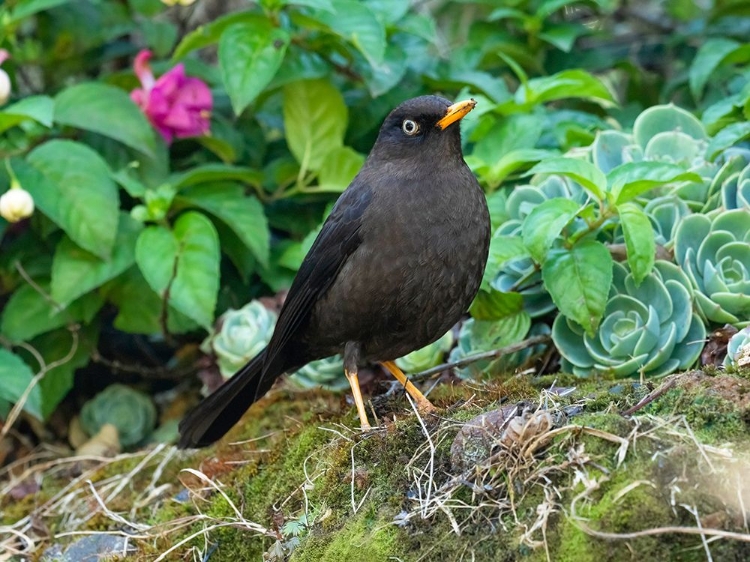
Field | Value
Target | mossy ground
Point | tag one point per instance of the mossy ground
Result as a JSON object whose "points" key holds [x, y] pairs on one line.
{"points": [[320, 491]]}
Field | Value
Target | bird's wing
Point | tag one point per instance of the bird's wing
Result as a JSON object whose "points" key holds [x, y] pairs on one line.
{"points": [[338, 239]]}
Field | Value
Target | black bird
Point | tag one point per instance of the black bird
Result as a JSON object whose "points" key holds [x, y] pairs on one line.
{"points": [[396, 264]]}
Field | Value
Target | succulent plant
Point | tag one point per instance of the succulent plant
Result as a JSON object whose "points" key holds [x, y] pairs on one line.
{"points": [[735, 190], [477, 336], [524, 198], [662, 133], [649, 329], [520, 274], [327, 373], [427, 357], [738, 349], [241, 336], [714, 251], [665, 213], [131, 412]]}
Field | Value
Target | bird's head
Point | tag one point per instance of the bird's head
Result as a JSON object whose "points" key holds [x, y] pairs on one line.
{"points": [[425, 128]]}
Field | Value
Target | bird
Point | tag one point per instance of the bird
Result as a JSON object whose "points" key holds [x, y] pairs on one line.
{"points": [[396, 264]]}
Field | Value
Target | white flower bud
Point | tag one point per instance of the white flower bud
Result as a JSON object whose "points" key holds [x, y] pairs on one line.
{"points": [[4, 86], [16, 204]]}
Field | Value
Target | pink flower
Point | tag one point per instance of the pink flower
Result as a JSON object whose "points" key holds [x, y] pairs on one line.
{"points": [[175, 104]]}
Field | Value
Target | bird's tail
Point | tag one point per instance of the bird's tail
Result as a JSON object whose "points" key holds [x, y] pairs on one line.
{"points": [[217, 413]]}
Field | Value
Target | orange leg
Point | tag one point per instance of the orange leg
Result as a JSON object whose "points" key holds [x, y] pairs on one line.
{"points": [[423, 405], [353, 379]]}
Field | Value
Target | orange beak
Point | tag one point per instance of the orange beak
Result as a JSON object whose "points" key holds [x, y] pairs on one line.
{"points": [[456, 112]]}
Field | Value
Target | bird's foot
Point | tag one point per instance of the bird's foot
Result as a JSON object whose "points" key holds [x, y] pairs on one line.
{"points": [[425, 407]]}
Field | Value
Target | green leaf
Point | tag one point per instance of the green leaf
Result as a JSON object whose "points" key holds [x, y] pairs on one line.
{"points": [[639, 240], [628, 181], [210, 33], [338, 169], [707, 59], [73, 186], [566, 84], [220, 147], [563, 35], [159, 36], [549, 7], [241, 213], [588, 175], [318, 4], [250, 53], [544, 224], [578, 281], [26, 8], [515, 132], [76, 271], [16, 376], [495, 305], [315, 119], [728, 136], [511, 162], [36, 108], [357, 24], [28, 314], [217, 173], [126, 179], [140, 308], [386, 76], [108, 111], [183, 263], [54, 347]]}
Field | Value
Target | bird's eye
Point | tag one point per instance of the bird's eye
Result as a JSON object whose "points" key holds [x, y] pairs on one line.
{"points": [[410, 127]]}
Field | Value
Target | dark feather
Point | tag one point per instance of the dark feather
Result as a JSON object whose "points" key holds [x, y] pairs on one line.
{"points": [[213, 417]]}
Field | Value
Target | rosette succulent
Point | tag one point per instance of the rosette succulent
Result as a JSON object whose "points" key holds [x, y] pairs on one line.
{"points": [[665, 214], [525, 198], [477, 336], [735, 190], [662, 133], [242, 335], [520, 274], [327, 373], [714, 251], [648, 329], [131, 412], [738, 349], [427, 357]]}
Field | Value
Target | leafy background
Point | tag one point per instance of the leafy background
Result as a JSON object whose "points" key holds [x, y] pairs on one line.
{"points": [[610, 138]]}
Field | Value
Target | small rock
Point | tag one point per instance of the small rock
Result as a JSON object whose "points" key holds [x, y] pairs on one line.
{"points": [[509, 427], [480, 435], [92, 548]]}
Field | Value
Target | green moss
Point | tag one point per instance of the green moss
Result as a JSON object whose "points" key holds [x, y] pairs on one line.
{"points": [[363, 533], [713, 418], [264, 479]]}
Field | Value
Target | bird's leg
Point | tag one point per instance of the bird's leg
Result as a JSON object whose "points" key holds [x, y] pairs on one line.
{"points": [[424, 406], [351, 358]]}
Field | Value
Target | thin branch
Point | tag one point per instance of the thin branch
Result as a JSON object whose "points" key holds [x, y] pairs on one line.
{"points": [[26, 277], [164, 316], [651, 396], [164, 373], [493, 354], [44, 368]]}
